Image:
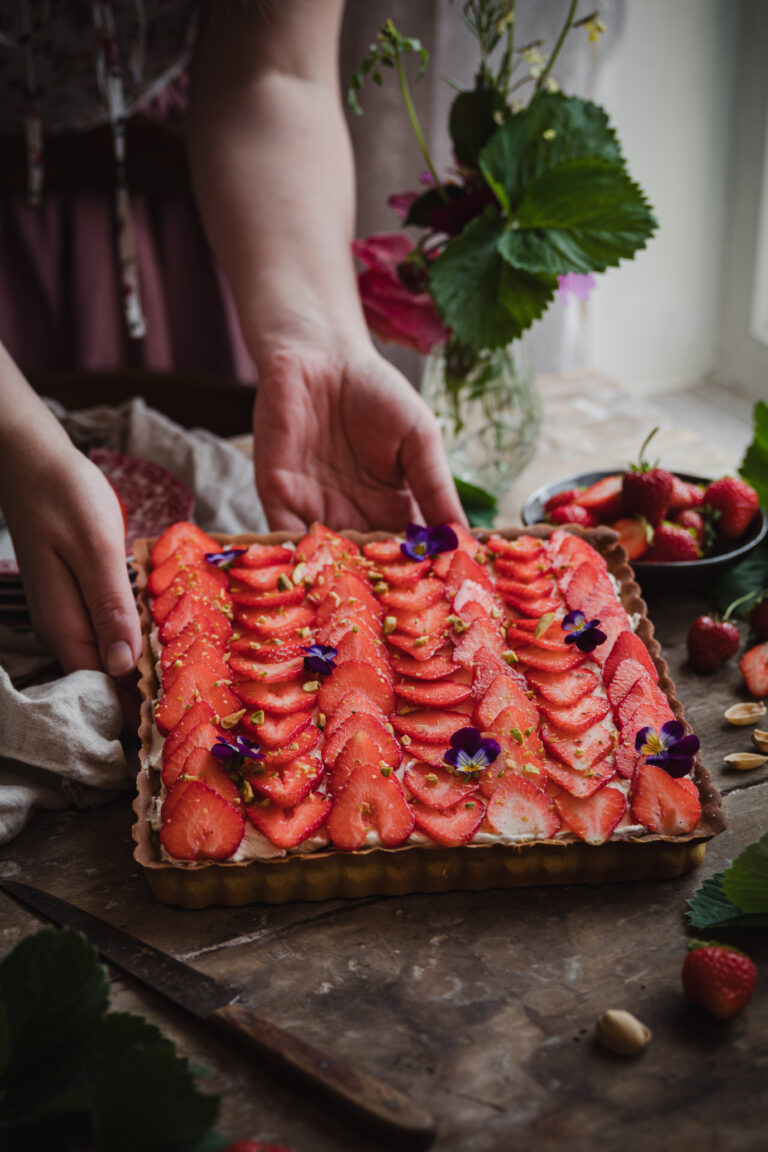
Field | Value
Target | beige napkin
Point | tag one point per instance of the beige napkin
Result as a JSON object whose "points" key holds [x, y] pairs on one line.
{"points": [[60, 738]]}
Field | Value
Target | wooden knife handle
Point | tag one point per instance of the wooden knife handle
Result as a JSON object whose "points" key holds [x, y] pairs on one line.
{"points": [[380, 1110]]}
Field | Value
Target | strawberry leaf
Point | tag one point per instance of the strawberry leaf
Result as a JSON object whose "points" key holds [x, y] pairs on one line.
{"points": [[709, 906], [480, 506], [745, 883], [754, 466]]}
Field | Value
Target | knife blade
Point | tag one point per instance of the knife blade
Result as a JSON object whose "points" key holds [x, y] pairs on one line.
{"points": [[379, 1110]]}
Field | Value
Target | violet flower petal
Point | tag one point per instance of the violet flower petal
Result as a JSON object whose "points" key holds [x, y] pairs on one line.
{"points": [[225, 558]]}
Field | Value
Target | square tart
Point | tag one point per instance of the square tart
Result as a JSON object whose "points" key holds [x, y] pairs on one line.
{"points": [[420, 865]]}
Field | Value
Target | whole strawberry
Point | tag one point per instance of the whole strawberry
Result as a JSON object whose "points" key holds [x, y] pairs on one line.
{"points": [[718, 978], [759, 618], [566, 497], [711, 642], [647, 491], [573, 514], [736, 502], [672, 542], [694, 521]]}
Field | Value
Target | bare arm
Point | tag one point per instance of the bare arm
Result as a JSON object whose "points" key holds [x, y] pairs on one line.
{"points": [[339, 434]]}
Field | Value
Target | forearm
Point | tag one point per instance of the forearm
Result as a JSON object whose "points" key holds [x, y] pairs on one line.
{"points": [[27, 427], [274, 174]]}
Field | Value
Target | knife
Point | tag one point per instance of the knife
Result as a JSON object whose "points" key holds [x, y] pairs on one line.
{"points": [[379, 1110]]}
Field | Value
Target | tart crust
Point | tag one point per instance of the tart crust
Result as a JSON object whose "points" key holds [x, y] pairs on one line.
{"points": [[333, 873]]}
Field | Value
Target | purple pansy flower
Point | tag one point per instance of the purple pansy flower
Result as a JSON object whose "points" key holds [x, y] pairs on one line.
{"points": [[421, 541], [584, 633], [225, 749], [669, 748], [320, 659], [470, 752], [225, 558]]}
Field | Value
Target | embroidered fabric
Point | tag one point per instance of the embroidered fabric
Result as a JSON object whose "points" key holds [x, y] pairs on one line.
{"points": [[73, 66]]}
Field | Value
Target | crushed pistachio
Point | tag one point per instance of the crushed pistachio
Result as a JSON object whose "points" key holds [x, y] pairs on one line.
{"points": [[386, 769], [257, 718], [405, 739], [389, 625], [302, 633], [321, 720], [299, 573], [420, 641], [381, 586], [246, 791], [431, 779], [310, 686], [232, 719], [509, 657], [517, 734]]}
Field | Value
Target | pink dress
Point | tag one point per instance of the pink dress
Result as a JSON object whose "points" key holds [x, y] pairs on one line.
{"points": [[96, 282]]}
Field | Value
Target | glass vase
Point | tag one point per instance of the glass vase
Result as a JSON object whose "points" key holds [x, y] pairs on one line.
{"points": [[489, 412]]}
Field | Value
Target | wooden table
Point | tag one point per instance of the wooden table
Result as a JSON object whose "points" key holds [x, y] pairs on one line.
{"points": [[480, 1005]]}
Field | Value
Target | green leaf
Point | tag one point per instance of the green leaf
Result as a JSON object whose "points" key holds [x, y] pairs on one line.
{"points": [[709, 906], [585, 215], [486, 302], [480, 506], [754, 466], [471, 122], [745, 883], [749, 575], [519, 151], [144, 1095], [55, 992]]}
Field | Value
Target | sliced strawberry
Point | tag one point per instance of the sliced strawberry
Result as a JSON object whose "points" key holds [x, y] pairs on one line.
{"points": [[204, 735], [463, 567], [549, 640], [472, 601], [431, 621], [288, 827], [261, 579], [562, 689], [320, 538], [198, 713], [523, 570], [450, 826], [347, 595], [300, 745], [279, 699], [364, 678], [506, 728], [513, 757], [661, 805], [361, 646], [577, 583], [383, 551], [486, 666], [269, 650], [437, 787], [287, 785], [754, 669], [337, 627], [580, 782], [279, 622], [176, 565], [520, 810], [627, 759], [523, 548], [592, 818], [603, 498], [505, 693], [547, 661], [198, 654], [435, 668], [426, 592], [192, 609], [265, 601], [433, 754], [644, 699], [430, 727], [688, 784], [417, 647], [276, 731], [612, 625], [199, 824], [578, 717], [189, 643], [534, 609], [568, 548], [194, 682], [265, 556], [353, 703], [578, 752], [627, 675], [539, 589], [403, 575], [634, 535], [438, 694], [271, 673], [370, 802], [373, 727], [202, 765], [481, 634], [359, 748], [182, 535]]}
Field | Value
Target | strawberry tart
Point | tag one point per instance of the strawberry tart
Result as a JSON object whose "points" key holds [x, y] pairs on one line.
{"points": [[337, 715]]}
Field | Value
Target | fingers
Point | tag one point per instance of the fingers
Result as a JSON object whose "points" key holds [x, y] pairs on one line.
{"points": [[428, 474], [102, 575]]}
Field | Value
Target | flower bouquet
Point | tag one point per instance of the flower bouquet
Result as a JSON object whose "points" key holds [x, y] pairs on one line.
{"points": [[538, 200]]}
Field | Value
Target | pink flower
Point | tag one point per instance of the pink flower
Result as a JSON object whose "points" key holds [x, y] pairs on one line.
{"points": [[575, 284], [392, 310]]}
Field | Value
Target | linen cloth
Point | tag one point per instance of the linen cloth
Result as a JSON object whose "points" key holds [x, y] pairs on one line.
{"points": [[60, 739]]}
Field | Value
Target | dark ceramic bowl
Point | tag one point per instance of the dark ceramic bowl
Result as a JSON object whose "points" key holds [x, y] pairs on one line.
{"points": [[684, 574]]}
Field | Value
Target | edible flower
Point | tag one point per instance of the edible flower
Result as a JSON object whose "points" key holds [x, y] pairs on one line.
{"points": [[421, 541], [225, 558], [584, 633], [470, 752], [240, 746], [669, 748], [320, 659]]}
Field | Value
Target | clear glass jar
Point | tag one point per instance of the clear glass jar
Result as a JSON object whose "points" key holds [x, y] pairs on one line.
{"points": [[488, 410]]}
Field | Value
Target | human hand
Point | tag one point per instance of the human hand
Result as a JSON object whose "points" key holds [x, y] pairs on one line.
{"points": [[68, 534], [341, 437]]}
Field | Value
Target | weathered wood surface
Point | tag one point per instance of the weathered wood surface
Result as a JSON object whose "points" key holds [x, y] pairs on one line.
{"points": [[481, 1006]]}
